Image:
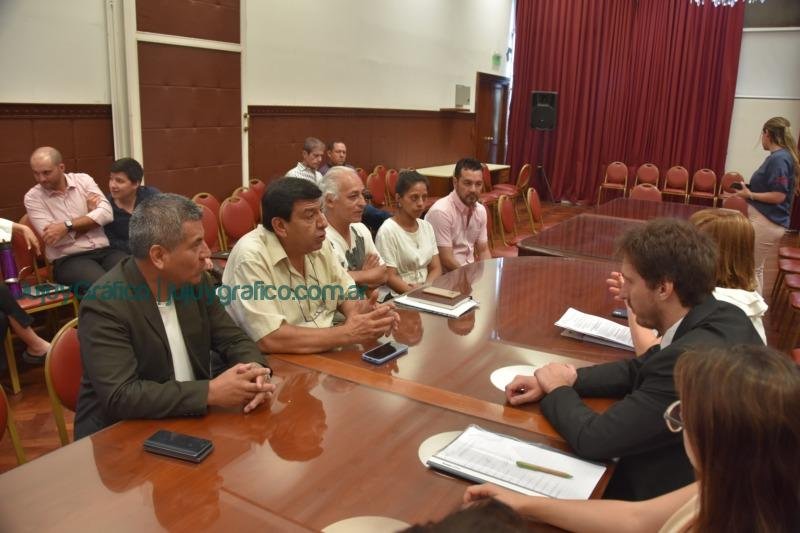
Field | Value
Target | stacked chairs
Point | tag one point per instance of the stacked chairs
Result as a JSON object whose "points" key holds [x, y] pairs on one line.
{"points": [[615, 179], [252, 199], [534, 208], [236, 218], [258, 187], [208, 200]]}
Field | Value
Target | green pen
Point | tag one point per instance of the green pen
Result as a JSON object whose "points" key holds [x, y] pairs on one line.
{"points": [[544, 470]]}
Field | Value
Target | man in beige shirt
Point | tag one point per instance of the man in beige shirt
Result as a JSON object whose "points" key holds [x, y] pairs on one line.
{"points": [[280, 280]]}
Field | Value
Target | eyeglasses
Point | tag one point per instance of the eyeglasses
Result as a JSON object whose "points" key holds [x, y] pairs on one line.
{"points": [[672, 416]]}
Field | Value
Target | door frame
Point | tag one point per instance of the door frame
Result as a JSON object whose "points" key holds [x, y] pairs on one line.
{"points": [[492, 78]]}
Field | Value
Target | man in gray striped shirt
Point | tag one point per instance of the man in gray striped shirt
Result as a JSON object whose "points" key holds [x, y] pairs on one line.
{"points": [[308, 168]]}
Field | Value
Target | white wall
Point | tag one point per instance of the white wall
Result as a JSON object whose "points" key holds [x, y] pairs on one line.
{"points": [[768, 85], [53, 51], [404, 54]]}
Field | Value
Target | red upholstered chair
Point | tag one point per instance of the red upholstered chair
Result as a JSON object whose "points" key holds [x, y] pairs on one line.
{"points": [[534, 208], [518, 188], [676, 183], [508, 222], [31, 273], [258, 187], [362, 174], [488, 197], [211, 230], [796, 355], [236, 218], [62, 372], [725, 189], [7, 423], [789, 252], [253, 200], [647, 173], [498, 249], [377, 187], [209, 200], [380, 170], [704, 186], [646, 191], [391, 185], [734, 202], [790, 325], [616, 178]]}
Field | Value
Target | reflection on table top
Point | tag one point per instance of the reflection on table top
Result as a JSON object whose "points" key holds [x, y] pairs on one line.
{"points": [[450, 360], [645, 209], [446, 171], [325, 449], [586, 235]]}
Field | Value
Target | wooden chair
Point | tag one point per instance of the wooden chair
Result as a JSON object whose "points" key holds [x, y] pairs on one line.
{"points": [[362, 174], [258, 187], [676, 183], [647, 173], [211, 233], [253, 200], [209, 200], [62, 372], [646, 191], [534, 207], [391, 186], [31, 274], [520, 187], [725, 189], [377, 187], [508, 222], [380, 170], [236, 219], [7, 423], [734, 202], [615, 179], [704, 186]]}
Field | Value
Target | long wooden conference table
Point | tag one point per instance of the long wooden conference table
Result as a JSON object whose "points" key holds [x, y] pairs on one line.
{"points": [[340, 437]]}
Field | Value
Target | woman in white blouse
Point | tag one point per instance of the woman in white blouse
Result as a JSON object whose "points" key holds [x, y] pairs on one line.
{"points": [[406, 242]]}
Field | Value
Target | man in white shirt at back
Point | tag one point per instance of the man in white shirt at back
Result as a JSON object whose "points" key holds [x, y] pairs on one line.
{"points": [[308, 168]]}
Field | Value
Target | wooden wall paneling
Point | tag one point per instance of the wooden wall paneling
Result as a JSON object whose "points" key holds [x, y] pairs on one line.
{"points": [[190, 118], [82, 133], [395, 138], [216, 20]]}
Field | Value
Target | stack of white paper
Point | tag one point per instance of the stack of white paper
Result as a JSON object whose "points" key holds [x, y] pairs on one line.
{"points": [[456, 312], [480, 455], [582, 326]]}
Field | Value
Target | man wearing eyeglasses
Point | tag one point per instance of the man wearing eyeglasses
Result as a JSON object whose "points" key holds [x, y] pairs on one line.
{"points": [[302, 282], [667, 277]]}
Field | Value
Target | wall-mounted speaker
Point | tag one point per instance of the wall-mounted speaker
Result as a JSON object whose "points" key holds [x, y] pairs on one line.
{"points": [[543, 110]]}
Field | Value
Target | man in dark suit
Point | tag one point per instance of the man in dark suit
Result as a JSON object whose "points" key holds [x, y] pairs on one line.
{"points": [[668, 272], [147, 328]]}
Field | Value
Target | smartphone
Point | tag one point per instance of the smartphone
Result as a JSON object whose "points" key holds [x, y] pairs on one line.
{"points": [[622, 312], [178, 445], [738, 185], [384, 352]]}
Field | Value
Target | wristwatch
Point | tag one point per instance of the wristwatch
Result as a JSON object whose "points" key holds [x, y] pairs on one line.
{"points": [[68, 224]]}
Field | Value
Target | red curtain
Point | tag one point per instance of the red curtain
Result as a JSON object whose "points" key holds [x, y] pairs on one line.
{"points": [[637, 81]]}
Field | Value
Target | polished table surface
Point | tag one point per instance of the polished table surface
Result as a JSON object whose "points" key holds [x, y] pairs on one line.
{"points": [[441, 177], [324, 450], [450, 360], [645, 209], [586, 235]]}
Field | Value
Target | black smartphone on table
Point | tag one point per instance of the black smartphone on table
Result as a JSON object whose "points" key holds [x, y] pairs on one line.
{"points": [[178, 445], [384, 352]]}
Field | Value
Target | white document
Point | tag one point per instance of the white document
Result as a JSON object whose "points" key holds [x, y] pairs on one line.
{"points": [[456, 312], [481, 455], [595, 329]]}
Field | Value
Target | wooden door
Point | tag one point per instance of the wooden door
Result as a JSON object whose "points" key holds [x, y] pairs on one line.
{"points": [[491, 117]]}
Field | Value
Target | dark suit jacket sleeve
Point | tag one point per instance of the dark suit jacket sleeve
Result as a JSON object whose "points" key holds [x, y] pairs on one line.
{"points": [[227, 338], [607, 380], [110, 364], [631, 425]]}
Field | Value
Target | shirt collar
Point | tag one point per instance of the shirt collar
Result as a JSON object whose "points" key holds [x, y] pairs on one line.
{"points": [[460, 206], [70, 185], [666, 339], [274, 246]]}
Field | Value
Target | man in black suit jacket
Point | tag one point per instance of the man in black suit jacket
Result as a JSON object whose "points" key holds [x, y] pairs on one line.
{"points": [[668, 273], [147, 328]]}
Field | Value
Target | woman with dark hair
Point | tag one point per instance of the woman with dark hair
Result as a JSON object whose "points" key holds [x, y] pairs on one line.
{"points": [[126, 193], [771, 189], [739, 411], [406, 242]]}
